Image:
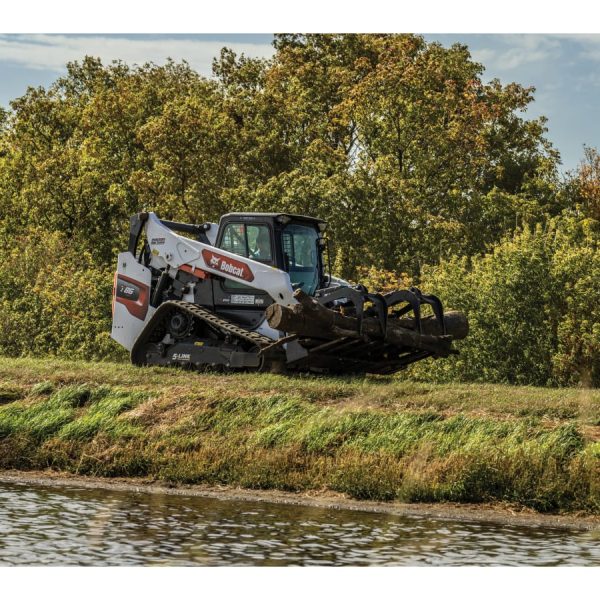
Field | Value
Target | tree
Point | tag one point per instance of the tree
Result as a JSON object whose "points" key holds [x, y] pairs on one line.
{"points": [[192, 155], [69, 152], [426, 160], [585, 184], [533, 305]]}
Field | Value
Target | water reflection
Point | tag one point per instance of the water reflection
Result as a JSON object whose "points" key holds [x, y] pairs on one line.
{"points": [[56, 526]]}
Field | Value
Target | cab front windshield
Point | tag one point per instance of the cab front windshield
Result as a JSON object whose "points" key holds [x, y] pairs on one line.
{"points": [[301, 256]]}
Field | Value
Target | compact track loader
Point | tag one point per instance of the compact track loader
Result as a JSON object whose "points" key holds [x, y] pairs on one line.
{"points": [[253, 294]]}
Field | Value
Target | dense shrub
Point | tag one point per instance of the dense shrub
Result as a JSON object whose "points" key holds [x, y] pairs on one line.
{"points": [[54, 299], [397, 142], [533, 305]]}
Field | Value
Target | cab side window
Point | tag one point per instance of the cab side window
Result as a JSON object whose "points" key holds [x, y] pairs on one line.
{"points": [[259, 242], [251, 241], [234, 239]]}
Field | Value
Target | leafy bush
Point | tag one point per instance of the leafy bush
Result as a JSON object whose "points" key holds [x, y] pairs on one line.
{"points": [[54, 299], [397, 142], [533, 305]]}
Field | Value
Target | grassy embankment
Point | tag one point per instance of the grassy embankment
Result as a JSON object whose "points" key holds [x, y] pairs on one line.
{"points": [[374, 438]]}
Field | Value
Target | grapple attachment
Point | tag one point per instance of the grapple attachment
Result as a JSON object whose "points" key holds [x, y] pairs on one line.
{"points": [[348, 329]]}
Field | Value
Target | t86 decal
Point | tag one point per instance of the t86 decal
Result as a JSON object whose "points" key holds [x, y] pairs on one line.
{"points": [[132, 294], [227, 265]]}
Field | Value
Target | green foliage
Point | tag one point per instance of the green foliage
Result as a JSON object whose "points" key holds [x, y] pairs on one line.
{"points": [[45, 417], [401, 133], [54, 298], [77, 412], [101, 416], [533, 306], [415, 442], [426, 174]]}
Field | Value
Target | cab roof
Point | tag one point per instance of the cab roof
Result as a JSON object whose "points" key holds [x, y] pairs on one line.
{"points": [[251, 216]]}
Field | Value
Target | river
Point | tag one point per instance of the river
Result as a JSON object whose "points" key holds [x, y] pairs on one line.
{"points": [[69, 526]]}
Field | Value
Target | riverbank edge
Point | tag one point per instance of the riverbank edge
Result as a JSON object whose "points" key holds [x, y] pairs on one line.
{"points": [[501, 514]]}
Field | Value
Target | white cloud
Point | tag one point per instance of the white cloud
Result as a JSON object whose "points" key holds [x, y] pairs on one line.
{"points": [[514, 51], [510, 52], [584, 82], [52, 52], [591, 52]]}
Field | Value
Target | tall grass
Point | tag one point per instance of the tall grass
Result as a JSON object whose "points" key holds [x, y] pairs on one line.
{"points": [[374, 438]]}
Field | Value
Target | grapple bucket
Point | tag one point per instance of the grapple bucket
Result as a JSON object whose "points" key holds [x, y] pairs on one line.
{"points": [[349, 330]]}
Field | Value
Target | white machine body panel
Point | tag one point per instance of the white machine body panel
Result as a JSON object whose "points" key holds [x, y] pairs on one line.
{"points": [[131, 298], [211, 233], [179, 252]]}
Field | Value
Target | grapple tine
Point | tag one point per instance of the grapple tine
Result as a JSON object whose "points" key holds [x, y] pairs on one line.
{"points": [[356, 297], [382, 310], [413, 300], [370, 340], [438, 309]]}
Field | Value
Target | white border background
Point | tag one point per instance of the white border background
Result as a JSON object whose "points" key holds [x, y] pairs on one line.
{"points": [[266, 16]]}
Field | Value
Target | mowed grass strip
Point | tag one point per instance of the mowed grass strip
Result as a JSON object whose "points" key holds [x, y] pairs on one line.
{"points": [[371, 438]]}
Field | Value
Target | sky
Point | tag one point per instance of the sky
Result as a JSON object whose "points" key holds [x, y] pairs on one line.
{"points": [[564, 69]]}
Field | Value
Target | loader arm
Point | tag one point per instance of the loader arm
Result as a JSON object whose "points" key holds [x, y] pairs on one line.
{"points": [[168, 249]]}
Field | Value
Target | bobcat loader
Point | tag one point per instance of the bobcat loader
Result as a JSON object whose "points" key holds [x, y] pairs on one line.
{"points": [[252, 293]]}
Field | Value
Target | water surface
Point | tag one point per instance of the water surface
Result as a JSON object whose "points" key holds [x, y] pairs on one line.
{"points": [[69, 526]]}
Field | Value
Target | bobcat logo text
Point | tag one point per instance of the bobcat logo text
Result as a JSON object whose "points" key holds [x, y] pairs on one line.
{"points": [[227, 265]]}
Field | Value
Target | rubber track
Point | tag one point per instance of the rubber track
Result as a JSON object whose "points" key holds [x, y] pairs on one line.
{"points": [[225, 326], [218, 322]]}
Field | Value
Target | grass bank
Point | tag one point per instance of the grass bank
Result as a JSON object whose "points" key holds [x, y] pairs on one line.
{"points": [[373, 438]]}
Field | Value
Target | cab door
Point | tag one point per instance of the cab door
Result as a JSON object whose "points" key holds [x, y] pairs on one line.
{"points": [[235, 300]]}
